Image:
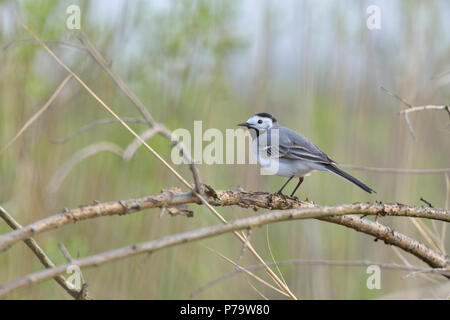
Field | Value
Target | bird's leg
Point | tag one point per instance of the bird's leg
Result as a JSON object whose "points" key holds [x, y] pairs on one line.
{"points": [[284, 185], [300, 180]]}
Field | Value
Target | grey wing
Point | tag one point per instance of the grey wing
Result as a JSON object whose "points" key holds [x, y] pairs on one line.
{"points": [[293, 145]]}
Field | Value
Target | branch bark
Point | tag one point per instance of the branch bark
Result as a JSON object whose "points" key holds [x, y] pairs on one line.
{"points": [[254, 200], [339, 213], [423, 108], [389, 236]]}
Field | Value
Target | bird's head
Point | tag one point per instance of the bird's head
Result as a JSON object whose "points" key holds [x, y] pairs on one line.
{"points": [[260, 122]]}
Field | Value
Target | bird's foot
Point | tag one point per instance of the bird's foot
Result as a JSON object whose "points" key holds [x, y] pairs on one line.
{"points": [[293, 197], [281, 195]]}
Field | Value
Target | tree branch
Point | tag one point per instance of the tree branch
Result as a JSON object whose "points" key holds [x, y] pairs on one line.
{"points": [[412, 108], [423, 108], [42, 256], [339, 213], [254, 200], [389, 236]]}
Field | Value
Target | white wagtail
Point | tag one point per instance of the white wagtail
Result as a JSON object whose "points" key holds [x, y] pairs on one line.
{"points": [[293, 155]]}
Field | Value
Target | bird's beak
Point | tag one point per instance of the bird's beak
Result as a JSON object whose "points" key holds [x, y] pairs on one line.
{"points": [[244, 124]]}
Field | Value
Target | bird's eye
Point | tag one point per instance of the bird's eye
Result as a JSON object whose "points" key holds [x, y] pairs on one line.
{"points": [[259, 121]]}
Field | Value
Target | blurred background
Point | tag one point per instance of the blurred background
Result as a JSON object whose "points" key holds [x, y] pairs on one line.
{"points": [[313, 64]]}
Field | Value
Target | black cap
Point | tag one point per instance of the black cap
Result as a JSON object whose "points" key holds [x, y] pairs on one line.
{"points": [[266, 115]]}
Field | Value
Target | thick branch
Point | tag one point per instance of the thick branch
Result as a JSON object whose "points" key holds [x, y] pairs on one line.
{"points": [[392, 237], [166, 198], [254, 200], [240, 224]]}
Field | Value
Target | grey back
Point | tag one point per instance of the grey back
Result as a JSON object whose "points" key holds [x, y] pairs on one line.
{"points": [[293, 145]]}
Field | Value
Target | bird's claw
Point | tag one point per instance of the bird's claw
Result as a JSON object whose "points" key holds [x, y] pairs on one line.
{"points": [[281, 195]]}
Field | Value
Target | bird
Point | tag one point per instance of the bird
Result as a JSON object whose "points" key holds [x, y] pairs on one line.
{"points": [[286, 153]]}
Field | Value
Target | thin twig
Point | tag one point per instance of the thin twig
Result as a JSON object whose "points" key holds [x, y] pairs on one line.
{"points": [[100, 60], [62, 172], [412, 108], [257, 291], [408, 123], [131, 149], [447, 201], [271, 254], [423, 108], [69, 259], [37, 114], [238, 267], [440, 75], [331, 263], [65, 252], [93, 125], [41, 255], [32, 42], [244, 246], [442, 271], [396, 97], [427, 234]]}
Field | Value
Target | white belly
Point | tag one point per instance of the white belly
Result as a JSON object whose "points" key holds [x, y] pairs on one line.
{"points": [[296, 168], [288, 168], [284, 167]]}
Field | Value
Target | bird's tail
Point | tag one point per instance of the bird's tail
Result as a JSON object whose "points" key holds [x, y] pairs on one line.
{"points": [[333, 169]]}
